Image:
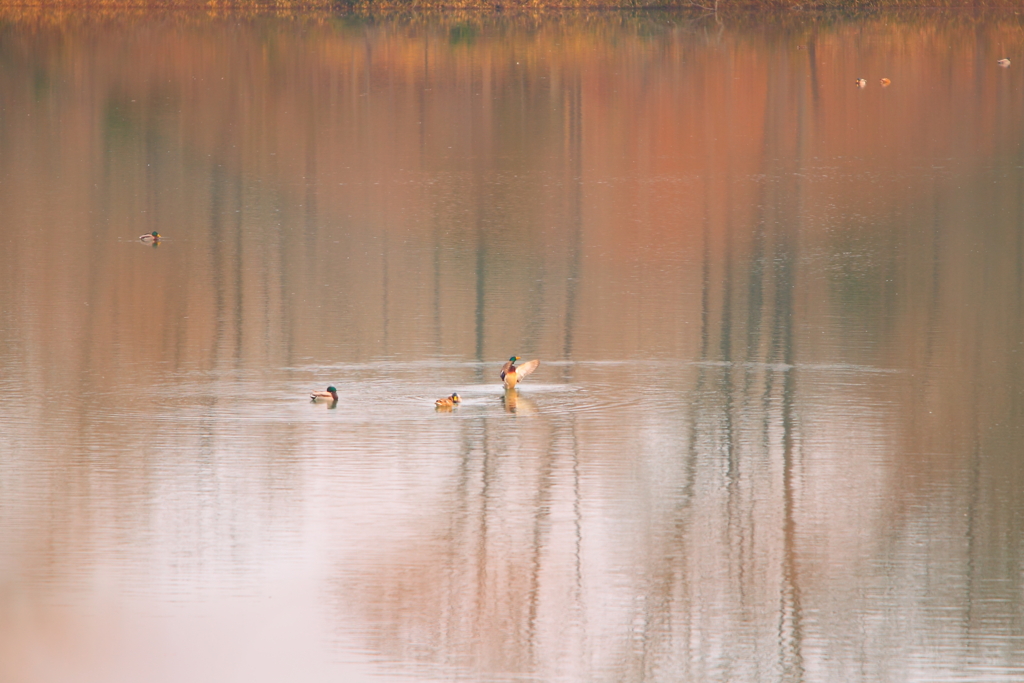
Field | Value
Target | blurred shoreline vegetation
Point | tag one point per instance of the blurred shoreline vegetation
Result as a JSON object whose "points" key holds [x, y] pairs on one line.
{"points": [[467, 22], [738, 11]]}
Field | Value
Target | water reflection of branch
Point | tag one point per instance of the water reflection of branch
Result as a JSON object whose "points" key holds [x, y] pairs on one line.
{"points": [[574, 125], [541, 531], [790, 609]]}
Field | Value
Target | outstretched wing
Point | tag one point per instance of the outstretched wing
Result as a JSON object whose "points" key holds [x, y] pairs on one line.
{"points": [[526, 368], [504, 369]]}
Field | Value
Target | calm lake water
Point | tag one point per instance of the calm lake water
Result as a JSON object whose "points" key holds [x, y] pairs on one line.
{"points": [[777, 432]]}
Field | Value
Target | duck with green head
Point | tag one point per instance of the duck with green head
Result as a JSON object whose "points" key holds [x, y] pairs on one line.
{"points": [[151, 237], [448, 402], [330, 395], [512, 375]]}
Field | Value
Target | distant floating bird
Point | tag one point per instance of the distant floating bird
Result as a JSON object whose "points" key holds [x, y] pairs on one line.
{"points": [[511, 375], [150, 237], [885, 82], [330, 395], [1003, 63], [861, 82], [448, 403]]}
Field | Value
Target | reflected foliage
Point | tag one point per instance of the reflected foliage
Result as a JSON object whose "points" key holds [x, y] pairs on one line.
{"points": [[775, 431]]}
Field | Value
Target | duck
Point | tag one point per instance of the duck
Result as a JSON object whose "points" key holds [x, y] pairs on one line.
{"points": [[512, 375], [885, 82], [1003, 63], [861, 82], [150, 237], [330, 395], [448, 402]]}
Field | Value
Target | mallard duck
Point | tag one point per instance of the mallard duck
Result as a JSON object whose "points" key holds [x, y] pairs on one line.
{"points": [[885, 82], [150, 237], [1003, 63], [511, 375], [448, 402], [330, 395], [861, 82]]}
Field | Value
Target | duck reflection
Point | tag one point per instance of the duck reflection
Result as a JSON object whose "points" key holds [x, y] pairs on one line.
{"points": [[514, 403]]}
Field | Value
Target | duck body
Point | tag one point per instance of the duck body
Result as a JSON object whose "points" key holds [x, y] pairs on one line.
{"points": [[885, 82], [1003, 62], [512, 375], [861, 82], [448, 402], [150, 237], [330, 395]]}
